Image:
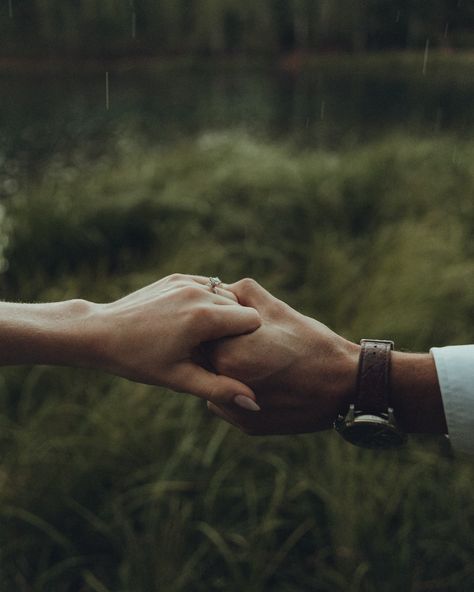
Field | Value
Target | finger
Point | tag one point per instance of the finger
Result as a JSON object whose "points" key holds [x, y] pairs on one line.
{"points": [[187, 278], [204, 281], [226, 294], [218, 389], [171, 282], [220, 289], [251, 293], [200, 279], [219, 298], [227, 321], [195, 290]]}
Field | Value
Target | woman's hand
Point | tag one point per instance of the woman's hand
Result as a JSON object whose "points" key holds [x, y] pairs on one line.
{"points": [[154, 336]]}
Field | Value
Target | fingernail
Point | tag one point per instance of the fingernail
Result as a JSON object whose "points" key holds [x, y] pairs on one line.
{"points": [[246, 403]]}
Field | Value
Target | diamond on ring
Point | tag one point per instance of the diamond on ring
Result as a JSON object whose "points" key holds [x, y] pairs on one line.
{"points": [[215, 282]]}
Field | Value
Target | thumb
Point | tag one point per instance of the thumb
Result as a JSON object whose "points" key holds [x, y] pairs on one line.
{"points": [[216, 388], [230, 320]]}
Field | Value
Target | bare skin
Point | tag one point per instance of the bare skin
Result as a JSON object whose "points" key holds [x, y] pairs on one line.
{"points": [[304, 374], [152, 336]]}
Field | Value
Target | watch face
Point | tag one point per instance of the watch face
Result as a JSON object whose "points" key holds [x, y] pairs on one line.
{"points": [[371, 431]]}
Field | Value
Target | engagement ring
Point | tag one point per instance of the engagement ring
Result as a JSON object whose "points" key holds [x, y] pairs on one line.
{"points": [[214, 282]]}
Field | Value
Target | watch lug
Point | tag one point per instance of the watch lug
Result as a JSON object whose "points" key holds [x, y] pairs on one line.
{"points": [[391, 416], [350, 414]]}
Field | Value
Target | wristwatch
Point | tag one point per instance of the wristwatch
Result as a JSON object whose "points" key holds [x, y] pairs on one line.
{"points": [[370, 421]]}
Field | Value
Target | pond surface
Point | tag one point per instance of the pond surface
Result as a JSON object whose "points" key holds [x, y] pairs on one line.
{"points": [[330, 103]]}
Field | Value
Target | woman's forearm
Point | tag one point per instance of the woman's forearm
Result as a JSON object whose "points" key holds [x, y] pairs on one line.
{"points": [[153, 335], [54, 333]]}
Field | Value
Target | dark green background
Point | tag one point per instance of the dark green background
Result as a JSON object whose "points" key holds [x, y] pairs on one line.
{"points": [[324, 148], [124, 27]]}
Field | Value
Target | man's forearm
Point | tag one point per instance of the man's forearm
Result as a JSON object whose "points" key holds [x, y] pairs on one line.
{"points": [[416, 396], [415, 393]]}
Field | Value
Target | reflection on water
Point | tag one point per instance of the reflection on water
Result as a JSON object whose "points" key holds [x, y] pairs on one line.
{"points": [[335, 103]]}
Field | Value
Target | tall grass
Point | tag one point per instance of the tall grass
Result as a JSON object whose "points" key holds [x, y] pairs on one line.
{"points": [[111, 486]]}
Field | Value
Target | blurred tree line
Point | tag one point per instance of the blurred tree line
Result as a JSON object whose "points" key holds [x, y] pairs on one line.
{"points": [[118, 27]]}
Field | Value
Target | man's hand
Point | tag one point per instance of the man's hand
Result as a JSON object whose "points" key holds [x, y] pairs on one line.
{"points": [[303, 373]]}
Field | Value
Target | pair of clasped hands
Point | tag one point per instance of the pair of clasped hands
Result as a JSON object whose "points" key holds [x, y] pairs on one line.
{"points": [[261, 365]]}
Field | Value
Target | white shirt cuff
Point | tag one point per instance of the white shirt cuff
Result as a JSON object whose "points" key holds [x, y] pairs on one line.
{"points": [[455, 368]]}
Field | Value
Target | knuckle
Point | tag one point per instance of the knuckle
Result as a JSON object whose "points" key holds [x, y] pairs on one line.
{"points": [[254, 316], [224, 363], [202, 314], [276, 307], [248, 284], [212, 396], [175, 277], [191, 293]]}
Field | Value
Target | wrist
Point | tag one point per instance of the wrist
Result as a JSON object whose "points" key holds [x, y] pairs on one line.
{"points": [[346, 373], [332, 369], [414, 390], [51, 333], [78, 334]]}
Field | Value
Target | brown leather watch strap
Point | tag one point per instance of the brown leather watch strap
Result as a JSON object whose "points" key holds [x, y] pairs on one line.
{"points": [[373, 381]]}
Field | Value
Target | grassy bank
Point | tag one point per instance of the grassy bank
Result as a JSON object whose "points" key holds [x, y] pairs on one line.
{"points": [[108, 485]]}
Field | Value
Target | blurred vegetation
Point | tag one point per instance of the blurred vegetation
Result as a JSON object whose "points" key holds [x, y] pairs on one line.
{"points": [[110, 486], [118, 27], [331, 102], [106, 485]]}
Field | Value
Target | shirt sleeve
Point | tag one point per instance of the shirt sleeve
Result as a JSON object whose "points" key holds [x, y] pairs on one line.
{"points": [[455, 368]]}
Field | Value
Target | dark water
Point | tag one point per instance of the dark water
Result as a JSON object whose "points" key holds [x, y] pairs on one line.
{"points": [[49, 113]]}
